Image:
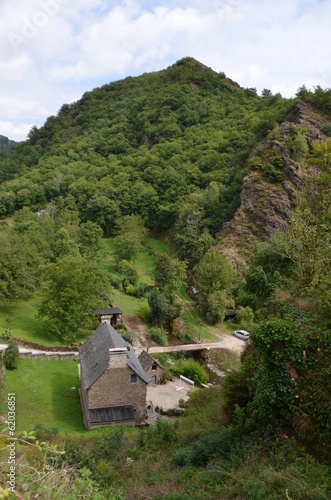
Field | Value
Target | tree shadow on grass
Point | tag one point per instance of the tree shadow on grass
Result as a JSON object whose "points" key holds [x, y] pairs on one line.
{"points": [[66, 401]]}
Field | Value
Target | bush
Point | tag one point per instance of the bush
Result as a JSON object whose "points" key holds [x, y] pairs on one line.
{"points": [[127, 336], [327, 129], [158, 335], [144, 311], [5, 334], [182, 456], [192, 370], [11, 356]]}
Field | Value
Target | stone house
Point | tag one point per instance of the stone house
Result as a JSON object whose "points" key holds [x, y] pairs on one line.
{"points": [[113, 382], [153, 369]]}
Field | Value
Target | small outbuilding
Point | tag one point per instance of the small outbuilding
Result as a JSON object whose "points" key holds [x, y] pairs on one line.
{"points": [[111, 314], [153, 369]]}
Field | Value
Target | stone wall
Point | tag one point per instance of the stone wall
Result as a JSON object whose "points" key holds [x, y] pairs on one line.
{"points": [[114, 388], [158, 373], [50, 355]]}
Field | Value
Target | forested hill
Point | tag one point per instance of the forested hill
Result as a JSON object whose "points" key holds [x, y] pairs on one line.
{"points": [[172, 146], [6, 144]]}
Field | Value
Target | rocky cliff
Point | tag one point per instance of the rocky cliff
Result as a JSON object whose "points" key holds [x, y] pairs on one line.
{"points": [[269, 190]]}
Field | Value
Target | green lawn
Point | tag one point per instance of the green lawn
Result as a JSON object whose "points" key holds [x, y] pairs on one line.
{"points": [[144, 264], [44, 395], [21, 318]]}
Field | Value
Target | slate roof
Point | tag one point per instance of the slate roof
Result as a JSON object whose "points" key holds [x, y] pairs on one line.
{"points": [[109, 310], [113, 414], [147, 361], [94, 354]]}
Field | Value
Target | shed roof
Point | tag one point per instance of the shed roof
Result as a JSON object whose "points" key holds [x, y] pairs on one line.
{"points": [[111, 414], [94, 354], [147, 361], [109, 310]]}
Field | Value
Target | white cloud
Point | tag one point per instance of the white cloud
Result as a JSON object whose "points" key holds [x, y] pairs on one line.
{"points": [[65, 47], [15, 132]]}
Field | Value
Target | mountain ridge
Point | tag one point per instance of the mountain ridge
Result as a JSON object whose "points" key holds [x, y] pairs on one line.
{"points": [[160, 145]]}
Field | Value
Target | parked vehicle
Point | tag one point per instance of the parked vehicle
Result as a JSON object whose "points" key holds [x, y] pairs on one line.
{"points": [[241, 334]]}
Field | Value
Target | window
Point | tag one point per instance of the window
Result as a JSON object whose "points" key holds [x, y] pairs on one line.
{"points": [[154, 366], [133, 378]]}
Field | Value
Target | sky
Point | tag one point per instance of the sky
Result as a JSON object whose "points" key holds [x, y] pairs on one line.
{"points": [[52, 51]]}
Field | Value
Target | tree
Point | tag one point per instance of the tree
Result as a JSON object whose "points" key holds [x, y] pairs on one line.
{"points": [[128, 273], [279, 348], [73, 289], [89, 238], [170, 274], [133, 224], [63, 245], [127, 247], [19, 262], [215, 279], [161, 311]]}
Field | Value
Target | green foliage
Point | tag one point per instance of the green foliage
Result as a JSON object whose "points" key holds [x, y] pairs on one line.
{"points": [[327, 129], [73, 288], [11, 355], [245, 317], [170, 275], [127, 272], [215, 279], [5, 334], [127, 247], [279, 348], [63, 245], [143, 157], [89, 238], [158, 335], [6, 144], [161, 311], [192, 370], [144, 311], [19, 261]]}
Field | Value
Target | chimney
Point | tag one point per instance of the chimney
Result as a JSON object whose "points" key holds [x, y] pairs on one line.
{"points": [[117, 357]]}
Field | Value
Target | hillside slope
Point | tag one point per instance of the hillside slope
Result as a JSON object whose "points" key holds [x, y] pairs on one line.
{"points": [[171, 146]]}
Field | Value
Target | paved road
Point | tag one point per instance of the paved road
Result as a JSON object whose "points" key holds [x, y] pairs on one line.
{"points": [[228, 342], [24, 350]]}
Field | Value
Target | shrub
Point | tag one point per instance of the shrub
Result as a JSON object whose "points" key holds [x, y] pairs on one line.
{"points": [[11, 355], [245, 316], [158, 335], [127, 336], [5, 334], [144, 311], [192, 370], [327, 129], [182, 456]]}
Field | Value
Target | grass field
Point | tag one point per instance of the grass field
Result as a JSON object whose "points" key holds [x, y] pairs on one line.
{"points": [[44, 395], [21, 318]]}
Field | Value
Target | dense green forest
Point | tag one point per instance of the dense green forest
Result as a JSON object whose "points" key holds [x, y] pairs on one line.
{"points": [[239, 187], [6, 144]]}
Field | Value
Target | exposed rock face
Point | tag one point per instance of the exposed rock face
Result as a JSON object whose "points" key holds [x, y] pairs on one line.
{"points": [[265, 207]]}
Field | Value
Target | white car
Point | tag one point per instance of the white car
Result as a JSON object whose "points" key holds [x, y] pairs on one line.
{"points": [[241, 334]]}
